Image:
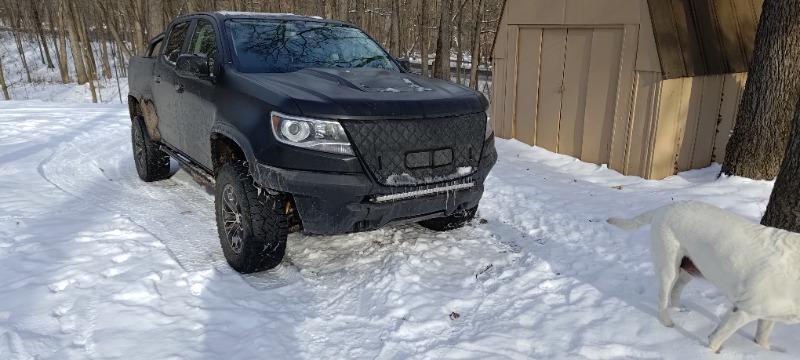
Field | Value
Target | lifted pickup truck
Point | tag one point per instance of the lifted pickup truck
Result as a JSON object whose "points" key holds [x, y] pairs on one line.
{"points": [[304, 124]]}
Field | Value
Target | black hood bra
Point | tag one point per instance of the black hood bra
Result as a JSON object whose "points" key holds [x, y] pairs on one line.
{"points": [[370, 93]]}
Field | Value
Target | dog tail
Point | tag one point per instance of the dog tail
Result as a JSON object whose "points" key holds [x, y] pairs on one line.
{"points": [[634, 223]]}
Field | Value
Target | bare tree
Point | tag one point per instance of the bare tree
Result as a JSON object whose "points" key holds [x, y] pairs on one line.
{"points": [[37, 23], [343, 8], [442, 62], [3, 85], [396, 28], [476, 45], [72, 27], [756, 148], [74, 42], [423, 37], [61, 44]]}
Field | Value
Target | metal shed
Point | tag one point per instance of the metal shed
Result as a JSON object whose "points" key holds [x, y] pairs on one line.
{"points": [[648, 87]]}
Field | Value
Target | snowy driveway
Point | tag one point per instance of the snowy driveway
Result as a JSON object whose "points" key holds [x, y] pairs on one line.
{"points": [[97, 264]]}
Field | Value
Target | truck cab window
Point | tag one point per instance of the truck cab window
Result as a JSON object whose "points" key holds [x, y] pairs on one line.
{"points": [[204, 41], [175, 42]]}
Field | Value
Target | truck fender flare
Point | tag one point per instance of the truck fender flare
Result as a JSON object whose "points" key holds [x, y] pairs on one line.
{"points": [[147, 110], [239, 139]]}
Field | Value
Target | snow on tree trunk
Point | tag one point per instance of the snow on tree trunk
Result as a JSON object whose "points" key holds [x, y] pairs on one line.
{"points": [[783, 210], [756, 148]]}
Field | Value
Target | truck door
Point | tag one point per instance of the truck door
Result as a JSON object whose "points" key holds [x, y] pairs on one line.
{"points": [[167, 103], [198, 97]]}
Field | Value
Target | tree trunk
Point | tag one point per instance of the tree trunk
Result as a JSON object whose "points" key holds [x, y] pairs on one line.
{"points": [[83, 33], [442, 62], [396, 48], [115, 32], [104, 58], [758, 143], [783, 210], [74, 44], [61, 43], [155, 19], [138, 29], [37, 24], [476, 46], [423, 37], [330, 12], [16, 27], [358, 16], [21, 51], [3, 85], [343, 9], [459, 33]]}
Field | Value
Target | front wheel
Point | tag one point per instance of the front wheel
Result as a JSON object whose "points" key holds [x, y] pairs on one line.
{"points": [[454, 221], [252, 225]]}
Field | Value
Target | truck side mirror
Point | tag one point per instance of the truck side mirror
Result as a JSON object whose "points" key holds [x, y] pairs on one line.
{"points": [[405, 64], [193, 65]]}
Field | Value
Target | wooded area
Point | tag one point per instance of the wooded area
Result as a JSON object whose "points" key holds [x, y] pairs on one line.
{"points": [[119, 29]]}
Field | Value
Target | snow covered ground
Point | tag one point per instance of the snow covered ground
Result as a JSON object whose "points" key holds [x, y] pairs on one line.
{"points": [[97, 264]]}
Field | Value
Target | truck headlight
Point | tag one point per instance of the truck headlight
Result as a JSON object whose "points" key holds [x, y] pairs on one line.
{"points": [[489, 129], [313, 134]]}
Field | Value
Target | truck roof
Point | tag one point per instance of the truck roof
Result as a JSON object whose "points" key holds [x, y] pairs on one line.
{"points": [[224, 15]]}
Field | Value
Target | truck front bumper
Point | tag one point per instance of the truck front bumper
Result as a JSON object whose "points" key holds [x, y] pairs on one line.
{"points": [[331, 203]]}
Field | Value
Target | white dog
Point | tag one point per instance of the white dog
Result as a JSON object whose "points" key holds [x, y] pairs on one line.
{"points": [[757, 267]]}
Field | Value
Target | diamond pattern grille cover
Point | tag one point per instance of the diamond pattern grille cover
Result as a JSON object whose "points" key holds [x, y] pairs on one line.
{"points": [[382, 145]]}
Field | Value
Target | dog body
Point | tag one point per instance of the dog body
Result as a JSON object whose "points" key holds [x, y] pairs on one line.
{"points": [[756, 267]]}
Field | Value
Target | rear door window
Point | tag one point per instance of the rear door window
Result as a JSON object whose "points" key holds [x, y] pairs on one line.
{"points": [[175, 41]]}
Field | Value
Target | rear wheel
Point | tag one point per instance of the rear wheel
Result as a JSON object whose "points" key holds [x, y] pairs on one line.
{"points": [[152, 164], [454, 221], [252, 224]]}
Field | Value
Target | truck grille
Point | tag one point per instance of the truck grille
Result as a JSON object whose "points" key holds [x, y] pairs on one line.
{"points": [[421, 151]]}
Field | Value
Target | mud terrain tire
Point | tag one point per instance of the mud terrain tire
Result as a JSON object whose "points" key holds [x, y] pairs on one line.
{"points": [[152, 164], [252, 225], [451, 222]]}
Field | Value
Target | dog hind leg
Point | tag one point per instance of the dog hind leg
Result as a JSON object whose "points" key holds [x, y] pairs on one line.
{"points": [[667, 259], [683, 279], [734, 320], [764, 330]]}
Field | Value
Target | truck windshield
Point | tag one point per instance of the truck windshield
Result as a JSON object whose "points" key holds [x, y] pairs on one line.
{"points": [[279, 46]]}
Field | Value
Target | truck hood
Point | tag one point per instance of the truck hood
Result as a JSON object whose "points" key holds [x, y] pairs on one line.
{"points": [[371, 93]]}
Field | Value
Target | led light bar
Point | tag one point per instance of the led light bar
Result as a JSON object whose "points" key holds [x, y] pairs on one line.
{"points": [[422, 192]]}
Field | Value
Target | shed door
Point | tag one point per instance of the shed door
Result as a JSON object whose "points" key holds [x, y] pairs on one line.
{"points": [[566, 89]]}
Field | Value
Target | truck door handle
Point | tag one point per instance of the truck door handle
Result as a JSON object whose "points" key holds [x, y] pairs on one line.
{"points": [[179, 88], [157, 79]]}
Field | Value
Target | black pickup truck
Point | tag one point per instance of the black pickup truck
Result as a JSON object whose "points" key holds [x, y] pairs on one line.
{"points": [[304, 124]]}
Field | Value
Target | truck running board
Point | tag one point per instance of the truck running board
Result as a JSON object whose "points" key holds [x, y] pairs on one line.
{"points": [[198, 172]]}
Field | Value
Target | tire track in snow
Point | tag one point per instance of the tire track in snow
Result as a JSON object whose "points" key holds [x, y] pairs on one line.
{"points": [[177, 212]]}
